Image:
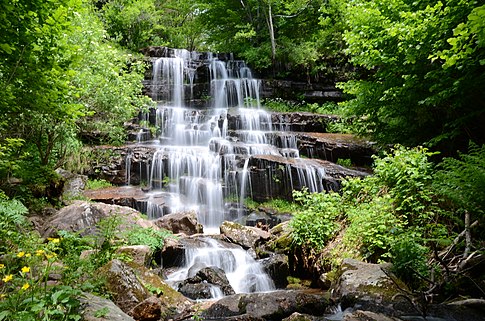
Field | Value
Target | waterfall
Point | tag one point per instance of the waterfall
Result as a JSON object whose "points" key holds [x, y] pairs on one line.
{"points": [[244, 274], [202, 160]]}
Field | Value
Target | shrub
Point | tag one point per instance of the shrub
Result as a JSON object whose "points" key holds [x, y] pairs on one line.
{"points": [[317, 222]]}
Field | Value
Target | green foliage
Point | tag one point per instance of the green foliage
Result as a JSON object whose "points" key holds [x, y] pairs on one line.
{"points": [[12, 220], [373, 227], [406, 86], [462, 181], [407, 173], [317, 222], [108, 80], [153, 238], [410, 258], [25, 270], [94, 184]]}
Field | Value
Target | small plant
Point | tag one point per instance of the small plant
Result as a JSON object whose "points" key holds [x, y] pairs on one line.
{"points": [[101, 313], [97, 184], [155, 239], [346, 162]]}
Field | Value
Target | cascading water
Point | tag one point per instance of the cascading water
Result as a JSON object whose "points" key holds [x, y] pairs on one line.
{"points": [[201, 159]]}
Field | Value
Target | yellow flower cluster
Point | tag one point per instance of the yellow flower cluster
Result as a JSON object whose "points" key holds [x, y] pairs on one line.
{"points": [[7, 278]]}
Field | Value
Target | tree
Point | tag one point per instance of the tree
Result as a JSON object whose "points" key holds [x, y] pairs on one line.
{"points": [[35, 76], [411, 95]]}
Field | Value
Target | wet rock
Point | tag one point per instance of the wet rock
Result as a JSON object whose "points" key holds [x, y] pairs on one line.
{"points": [[147, 310], [139, 254], [181, 222], [196, 291], [268, 306], [246, 236], [83, 217], [276, 266], [368, 286], [91, 306], [203, 280], [278, 176], [173, 253], [115, 163], [121, 281]]}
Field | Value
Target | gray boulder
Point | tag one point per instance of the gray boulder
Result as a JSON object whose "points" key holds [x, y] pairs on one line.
{"points": [[181, 222], [92, 305], [83, 217], [74, 184], [246, 236], [267, 306], [370, 287]]}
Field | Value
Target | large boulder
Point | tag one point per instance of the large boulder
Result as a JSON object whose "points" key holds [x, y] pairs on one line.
{"points": [[83, 217], [91, 305], [180, 222], [129, 286], [370, 286], [360, 315], [267, 306], [123, 284], [246, 236]]}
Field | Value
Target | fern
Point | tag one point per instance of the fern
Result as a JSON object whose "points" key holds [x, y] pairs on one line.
{"points": [[462, 180]]}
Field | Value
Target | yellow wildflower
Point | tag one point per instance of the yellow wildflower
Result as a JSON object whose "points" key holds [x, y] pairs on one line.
{"points": [[39, 252], [25, 286], [21, 254], [2, 295], [7, 278], [2, 266], [25, 269], [56, 240], [27, 255]]}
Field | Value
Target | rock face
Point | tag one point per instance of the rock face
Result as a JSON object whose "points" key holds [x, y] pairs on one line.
{"points": [[74, 184], [278, 176], [368, 286], [83, 216], [91, 305], [266, 306], [333, 147], [182, 222], [246, 236], [276, 266]]}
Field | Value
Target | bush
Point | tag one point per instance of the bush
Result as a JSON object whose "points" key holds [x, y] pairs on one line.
{"points": [[317, 223], [373, 227]]}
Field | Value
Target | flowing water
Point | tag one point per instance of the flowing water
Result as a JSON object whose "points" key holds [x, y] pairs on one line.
{"points": [[202, 161]]}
